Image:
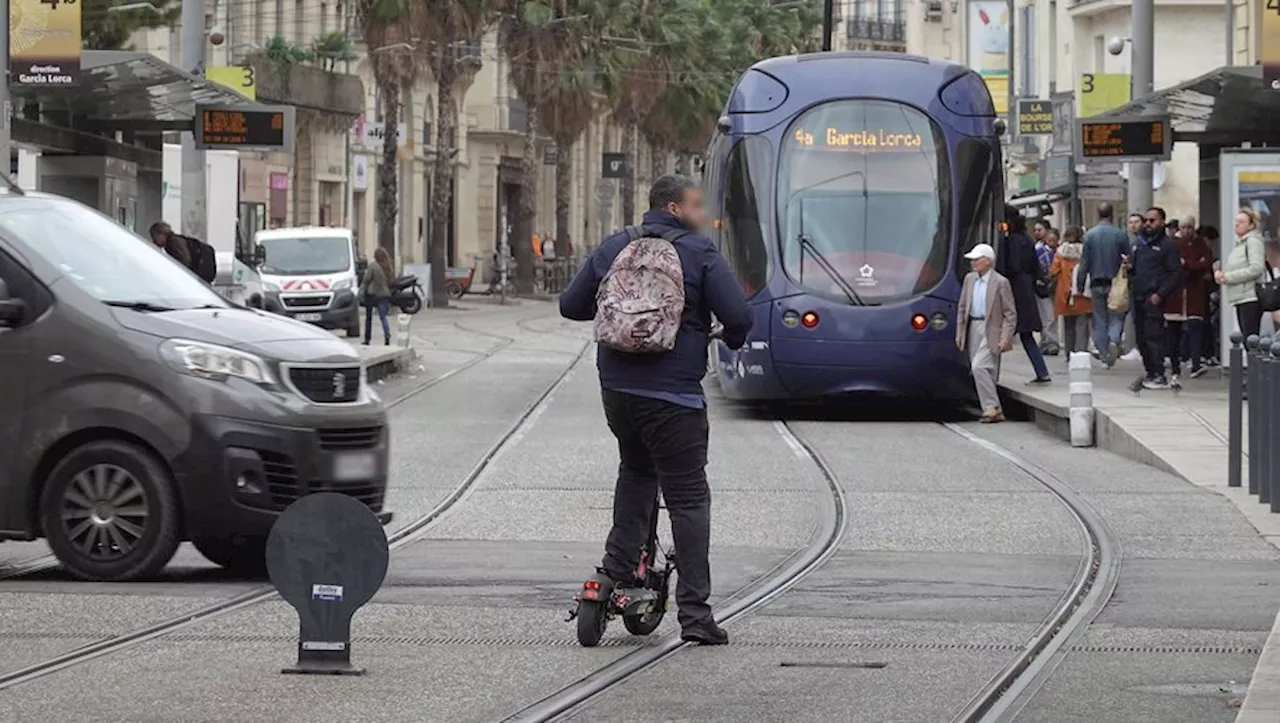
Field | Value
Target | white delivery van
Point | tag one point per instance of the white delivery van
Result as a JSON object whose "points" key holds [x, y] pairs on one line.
{"points": [[310, 274]]}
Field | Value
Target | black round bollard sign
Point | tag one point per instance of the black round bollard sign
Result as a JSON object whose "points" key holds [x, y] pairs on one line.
{"points": [[327, 555]]}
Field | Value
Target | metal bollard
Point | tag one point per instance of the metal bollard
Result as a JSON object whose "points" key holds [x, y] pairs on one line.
{"points": [[1235, 411], [1080, 388], [1272, 449], [402, 330], [1263, 400], [1255, 424]]}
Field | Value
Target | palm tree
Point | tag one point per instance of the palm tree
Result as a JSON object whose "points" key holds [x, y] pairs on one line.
{"points": [[388, 27], [452, 31], [555, 51]]}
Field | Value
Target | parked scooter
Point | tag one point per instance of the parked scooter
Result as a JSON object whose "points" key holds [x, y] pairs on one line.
{"points": [[407, 293]]}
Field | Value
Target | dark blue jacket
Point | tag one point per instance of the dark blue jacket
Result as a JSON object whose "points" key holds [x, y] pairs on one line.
{"points": [[709, 288], [1157, 266], [1104, 244]]}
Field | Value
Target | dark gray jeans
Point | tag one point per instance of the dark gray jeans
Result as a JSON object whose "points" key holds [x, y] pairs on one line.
{"points": [[661, 446]]}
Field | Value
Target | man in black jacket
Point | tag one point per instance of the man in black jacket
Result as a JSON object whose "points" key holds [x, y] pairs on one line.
{"points": [[655, 406], [1157, 271]]}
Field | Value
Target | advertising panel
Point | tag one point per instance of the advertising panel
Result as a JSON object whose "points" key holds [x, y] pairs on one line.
{"points": [[988, 51], [44, 42]]}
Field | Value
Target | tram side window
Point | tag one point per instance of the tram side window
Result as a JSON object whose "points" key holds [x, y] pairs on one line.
{"points": [[742, 238], [979, 199], [712, 175]]}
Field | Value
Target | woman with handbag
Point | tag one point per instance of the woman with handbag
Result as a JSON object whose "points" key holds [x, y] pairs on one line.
{"points": [[375, 289], [1243, 272]]}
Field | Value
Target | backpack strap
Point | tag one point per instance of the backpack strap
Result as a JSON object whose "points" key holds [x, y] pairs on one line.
{"points": [[634, 232], [671, 234]]}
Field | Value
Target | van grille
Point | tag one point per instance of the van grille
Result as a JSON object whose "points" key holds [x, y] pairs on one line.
{"points": [[306, 302], [285, 488], [327, 385]]}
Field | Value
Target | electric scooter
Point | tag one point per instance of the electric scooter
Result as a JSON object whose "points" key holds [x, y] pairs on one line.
{"points": [[642, 607]]}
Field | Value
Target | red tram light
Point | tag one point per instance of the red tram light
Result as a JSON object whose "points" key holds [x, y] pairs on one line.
{"points": [[809, 320], [919, 322]]}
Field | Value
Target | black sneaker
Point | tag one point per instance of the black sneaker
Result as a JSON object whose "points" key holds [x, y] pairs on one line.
{"points": [[705, 633], [1039, 381], [1199, 372], [1159, 382]]}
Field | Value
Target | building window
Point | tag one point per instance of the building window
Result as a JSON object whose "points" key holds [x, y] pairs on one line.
{"points": [[299, 22]]}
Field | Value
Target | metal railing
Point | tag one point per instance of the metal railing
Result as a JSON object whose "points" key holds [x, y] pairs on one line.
{"points": [[1259, 385]]}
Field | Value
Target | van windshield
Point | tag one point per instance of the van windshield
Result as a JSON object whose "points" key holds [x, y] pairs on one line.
{"points": [[100, 256], [298, 256]]}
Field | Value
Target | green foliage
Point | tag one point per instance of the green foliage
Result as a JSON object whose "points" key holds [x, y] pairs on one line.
{"points": [[333, 48], [282, 52], [102, 29]]}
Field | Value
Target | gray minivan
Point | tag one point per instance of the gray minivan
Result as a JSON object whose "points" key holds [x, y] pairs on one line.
{"points": [[139, 409]]}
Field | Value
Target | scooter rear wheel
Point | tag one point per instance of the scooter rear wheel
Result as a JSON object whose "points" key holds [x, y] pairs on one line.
{"points": [[593, 618]]}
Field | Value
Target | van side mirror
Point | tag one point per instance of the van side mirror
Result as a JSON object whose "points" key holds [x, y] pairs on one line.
{"points": [[259, 255], [12, 311]]}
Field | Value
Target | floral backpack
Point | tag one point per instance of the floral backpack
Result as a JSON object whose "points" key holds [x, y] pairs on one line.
{"points": [[640, 301]]}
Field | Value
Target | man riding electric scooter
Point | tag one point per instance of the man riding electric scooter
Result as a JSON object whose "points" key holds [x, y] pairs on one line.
{"points": [[651, 291]]}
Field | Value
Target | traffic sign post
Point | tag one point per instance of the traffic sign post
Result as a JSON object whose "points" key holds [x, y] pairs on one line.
{"points": [[327, 555]]}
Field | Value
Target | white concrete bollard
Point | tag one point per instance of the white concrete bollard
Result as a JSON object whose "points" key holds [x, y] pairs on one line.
{"points": [[402, 330], [1080, 407]]}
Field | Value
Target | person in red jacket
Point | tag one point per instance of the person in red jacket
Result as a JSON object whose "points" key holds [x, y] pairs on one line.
{"points": [[1185, 309]]}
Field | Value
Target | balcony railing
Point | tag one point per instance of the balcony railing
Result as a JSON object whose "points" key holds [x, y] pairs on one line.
{"points": [[879, 30]]}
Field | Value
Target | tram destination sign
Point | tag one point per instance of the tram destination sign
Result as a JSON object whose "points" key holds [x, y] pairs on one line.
{"points": [[1119, 139], [856, 140], [265, 127]]}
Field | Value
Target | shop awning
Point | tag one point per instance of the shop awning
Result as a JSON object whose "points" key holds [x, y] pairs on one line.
{"points": [[1227, 106], [126, 89]]}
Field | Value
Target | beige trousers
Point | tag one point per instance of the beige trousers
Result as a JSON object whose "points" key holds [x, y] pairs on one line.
{"points": [[985, 365]]}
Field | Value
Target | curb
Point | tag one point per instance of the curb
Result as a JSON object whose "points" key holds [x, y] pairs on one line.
{"points": [[1262, 701], [385, 363]]}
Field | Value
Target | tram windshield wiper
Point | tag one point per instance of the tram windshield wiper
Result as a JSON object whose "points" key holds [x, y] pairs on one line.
{"points": [[806, 246]]}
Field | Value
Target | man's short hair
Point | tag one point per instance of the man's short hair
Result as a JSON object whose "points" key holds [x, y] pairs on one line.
{"points": [[668, 189], [1105, 211], [1160, 211]]}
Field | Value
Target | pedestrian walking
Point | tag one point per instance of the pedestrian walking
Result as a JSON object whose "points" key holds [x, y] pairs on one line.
{"points": [[1046, 249], [1018, 263], [653, 401], [1243, 269], [1104, 250], [1157, 273], [375, 289], [988, 320], [1185, 309], [1073, 306], [1129, 332]]}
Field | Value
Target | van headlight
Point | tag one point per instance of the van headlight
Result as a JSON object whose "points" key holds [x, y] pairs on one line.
{"points": [[215, 362], [270, 286], [341, 284]]}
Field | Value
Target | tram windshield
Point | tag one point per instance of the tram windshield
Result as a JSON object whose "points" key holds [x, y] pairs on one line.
{"points": [[863, 198]]}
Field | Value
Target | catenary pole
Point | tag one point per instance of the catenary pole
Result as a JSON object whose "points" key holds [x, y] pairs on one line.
{"points": [[194, 214], [1142, 36]]}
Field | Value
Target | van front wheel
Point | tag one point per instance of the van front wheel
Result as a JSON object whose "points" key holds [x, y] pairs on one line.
{"points": [[246, 558], [110, 513]]}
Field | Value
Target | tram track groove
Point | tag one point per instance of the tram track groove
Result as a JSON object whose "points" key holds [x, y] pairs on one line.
{"points": [[44, 563], [825, 541], [401, 537], [1004, 696]]}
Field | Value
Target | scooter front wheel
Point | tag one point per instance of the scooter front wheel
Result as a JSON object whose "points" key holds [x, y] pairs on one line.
{"points": [[411, 306], [593, 618]]}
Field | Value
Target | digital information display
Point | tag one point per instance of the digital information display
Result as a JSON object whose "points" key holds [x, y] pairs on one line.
{"points": [[243, 127], [857, 141], [1126, 138]]}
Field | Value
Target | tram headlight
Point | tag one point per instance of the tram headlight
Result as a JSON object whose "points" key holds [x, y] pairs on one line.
{"points": [[919, 322], [938, 321], [790, 318]]}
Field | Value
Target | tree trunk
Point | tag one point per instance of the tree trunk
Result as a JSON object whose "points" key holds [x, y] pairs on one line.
{"points": [[521, 238], [442, 180], [388, 180], [564, 193], [661, 162], [631, 144]]}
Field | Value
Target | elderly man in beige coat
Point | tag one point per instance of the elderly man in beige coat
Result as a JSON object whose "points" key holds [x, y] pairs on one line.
{"points": [[986, 322]]}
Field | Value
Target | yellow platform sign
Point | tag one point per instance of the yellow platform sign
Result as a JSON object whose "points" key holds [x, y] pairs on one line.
{"points": [[241, 79], [1101, 92]]}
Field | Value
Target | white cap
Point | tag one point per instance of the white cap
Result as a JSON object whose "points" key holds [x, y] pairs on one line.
{"points": [[982, 251]]}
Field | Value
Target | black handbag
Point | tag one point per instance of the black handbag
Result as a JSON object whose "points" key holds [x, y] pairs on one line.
{"points": [[1268, 291]]}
